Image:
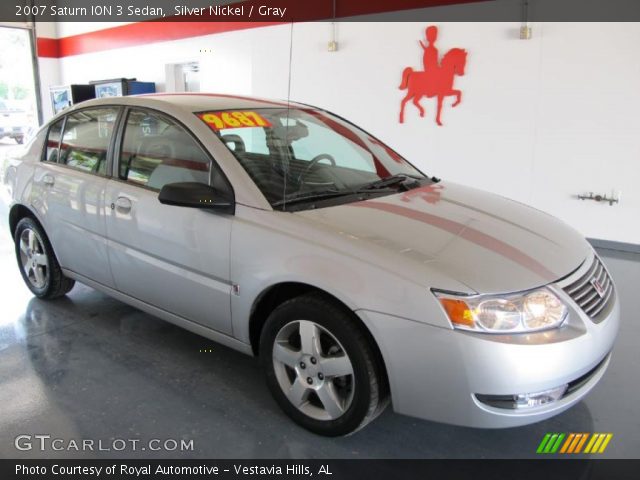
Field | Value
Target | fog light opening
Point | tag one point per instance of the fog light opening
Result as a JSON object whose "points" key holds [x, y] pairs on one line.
{"points": [[527, 400], [521, 401]]}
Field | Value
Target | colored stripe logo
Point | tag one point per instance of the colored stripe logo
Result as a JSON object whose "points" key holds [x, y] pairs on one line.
{"points": [[574, 443]]}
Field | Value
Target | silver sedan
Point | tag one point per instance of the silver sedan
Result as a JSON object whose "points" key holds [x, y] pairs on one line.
{"points": [[288, 233]]}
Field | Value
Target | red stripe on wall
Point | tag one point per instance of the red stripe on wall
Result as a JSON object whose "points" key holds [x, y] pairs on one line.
{"points": [[135, 34], [179, 27], [146, 32], [48, 47]]}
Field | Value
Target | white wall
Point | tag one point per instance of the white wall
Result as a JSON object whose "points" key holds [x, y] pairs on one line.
{"points": [[540, 121], [49, 68]]}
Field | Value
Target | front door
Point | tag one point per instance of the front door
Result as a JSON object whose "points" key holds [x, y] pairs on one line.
{"points": [[174, 258]]}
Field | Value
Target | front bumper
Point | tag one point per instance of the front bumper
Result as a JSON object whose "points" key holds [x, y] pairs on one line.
{"points": [[435, 373]]}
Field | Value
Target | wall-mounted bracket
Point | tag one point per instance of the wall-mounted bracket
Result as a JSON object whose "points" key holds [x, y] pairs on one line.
{"points": [[600, 198]]}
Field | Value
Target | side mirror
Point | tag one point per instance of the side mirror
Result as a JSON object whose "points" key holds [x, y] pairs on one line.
{"points": [[197, 195]]}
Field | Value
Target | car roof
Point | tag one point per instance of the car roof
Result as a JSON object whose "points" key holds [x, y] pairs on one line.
{"points": [[193, 102]]}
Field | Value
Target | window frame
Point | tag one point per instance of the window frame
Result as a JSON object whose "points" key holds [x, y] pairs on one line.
{"points": [[119, 142], [43, 156], [110, 147]]}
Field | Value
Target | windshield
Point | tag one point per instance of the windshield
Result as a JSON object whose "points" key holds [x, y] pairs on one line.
{"points": [[300, 158]]}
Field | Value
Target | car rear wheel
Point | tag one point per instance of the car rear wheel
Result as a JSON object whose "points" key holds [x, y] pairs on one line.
{"points": [[321, 367], [38, 265]]}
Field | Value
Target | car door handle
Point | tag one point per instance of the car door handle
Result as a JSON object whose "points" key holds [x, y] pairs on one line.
{"points": [[122, 204], [48, 180]]}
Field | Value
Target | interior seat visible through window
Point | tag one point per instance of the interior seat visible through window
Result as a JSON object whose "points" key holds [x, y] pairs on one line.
{"points": [[86, 138], [157, 151]]}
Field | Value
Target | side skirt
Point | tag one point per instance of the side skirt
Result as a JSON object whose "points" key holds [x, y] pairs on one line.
{"points": [[181, 322]]}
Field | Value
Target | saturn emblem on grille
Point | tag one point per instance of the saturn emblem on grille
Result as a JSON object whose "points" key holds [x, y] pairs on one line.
{"points": [[598, 287]]}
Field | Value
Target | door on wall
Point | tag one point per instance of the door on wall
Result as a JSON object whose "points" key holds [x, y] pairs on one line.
{"points": [[191, 75], [183, 77]]}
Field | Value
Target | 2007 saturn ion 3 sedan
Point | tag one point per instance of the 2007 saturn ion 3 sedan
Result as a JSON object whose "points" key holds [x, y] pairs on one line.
{"points": [[286, 232]]}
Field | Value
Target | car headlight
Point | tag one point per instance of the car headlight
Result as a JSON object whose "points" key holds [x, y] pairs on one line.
{"points": [[530, 311]]}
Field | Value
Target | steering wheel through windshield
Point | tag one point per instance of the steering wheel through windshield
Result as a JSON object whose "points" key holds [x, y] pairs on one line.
{"points": [[313, 163]]}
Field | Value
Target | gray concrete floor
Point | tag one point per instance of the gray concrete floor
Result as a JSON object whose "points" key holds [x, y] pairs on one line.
{"points": [[90, 367]]}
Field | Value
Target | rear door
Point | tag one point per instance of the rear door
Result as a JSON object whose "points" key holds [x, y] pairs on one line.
{"points": [[174, 258], [70, 184]]}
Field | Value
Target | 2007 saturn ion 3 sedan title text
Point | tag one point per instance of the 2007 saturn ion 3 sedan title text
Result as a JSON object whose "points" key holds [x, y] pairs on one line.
{"points": [[286, 232]]}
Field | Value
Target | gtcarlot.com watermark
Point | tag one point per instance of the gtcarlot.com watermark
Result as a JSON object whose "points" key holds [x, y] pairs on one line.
{"points": [[44, 443]]}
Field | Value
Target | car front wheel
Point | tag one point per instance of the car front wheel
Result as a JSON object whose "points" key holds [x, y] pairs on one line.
{"points": [[321, 367]]}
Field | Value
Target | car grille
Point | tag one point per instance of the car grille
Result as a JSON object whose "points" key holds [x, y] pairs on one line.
{"points": [[593, 292]]}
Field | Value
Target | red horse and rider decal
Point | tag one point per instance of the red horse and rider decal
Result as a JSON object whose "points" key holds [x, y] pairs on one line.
{"points": [[436, 80]]}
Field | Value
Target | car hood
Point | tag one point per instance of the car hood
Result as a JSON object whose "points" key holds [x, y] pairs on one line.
{"points": [[487, 242]]}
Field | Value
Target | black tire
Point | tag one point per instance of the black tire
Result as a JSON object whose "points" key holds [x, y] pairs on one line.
{"points": [[369, 389], [55, 283], [19, 140]]}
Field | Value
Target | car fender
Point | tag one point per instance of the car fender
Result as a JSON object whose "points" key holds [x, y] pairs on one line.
{"points": [[270, 248]]}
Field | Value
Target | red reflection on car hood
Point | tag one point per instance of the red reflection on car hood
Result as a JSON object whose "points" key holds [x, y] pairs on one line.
{"points": [[485, 241]]}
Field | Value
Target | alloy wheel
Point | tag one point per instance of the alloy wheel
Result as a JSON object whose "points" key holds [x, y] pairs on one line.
{"points": [[33, 258], [313, 370]]}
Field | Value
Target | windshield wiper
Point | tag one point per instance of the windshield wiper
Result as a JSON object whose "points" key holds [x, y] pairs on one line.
{"points": [[320, 195], [389, 181]]}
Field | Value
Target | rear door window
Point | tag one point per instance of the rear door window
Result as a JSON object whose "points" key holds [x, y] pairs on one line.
{"points": [[86, 139]]}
